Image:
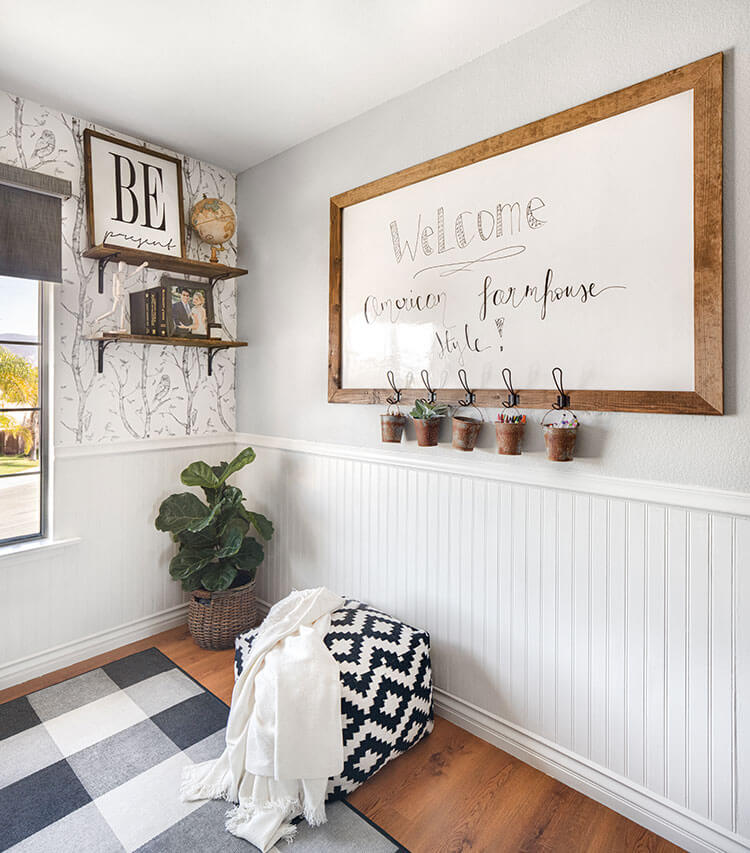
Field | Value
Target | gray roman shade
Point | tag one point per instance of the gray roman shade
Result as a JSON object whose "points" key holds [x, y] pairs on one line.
{"points": [[31, 224]]}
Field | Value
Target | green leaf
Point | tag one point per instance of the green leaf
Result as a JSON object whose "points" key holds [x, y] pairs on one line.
{"points": [[219, 469], [244, 457], [232, 537], [191, 582], [182, 511], [261, 524], [233, 496], [202, 523], [419, 411], [249, 557], [213, 496], [188, 561], [231, 517], [199, 474], [425, 411], [219, 576], [241, 512], [205, 538]]}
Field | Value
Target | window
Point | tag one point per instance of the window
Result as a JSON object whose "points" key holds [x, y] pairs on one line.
{"points": [[23, 411]]}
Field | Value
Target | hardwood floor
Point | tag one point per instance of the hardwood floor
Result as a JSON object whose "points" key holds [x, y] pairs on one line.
{"points": [[450, 793]]}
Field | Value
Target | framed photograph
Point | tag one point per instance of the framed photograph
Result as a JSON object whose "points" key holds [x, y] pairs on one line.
{"points": [[589, 241], [190, 310], [133, 196]]}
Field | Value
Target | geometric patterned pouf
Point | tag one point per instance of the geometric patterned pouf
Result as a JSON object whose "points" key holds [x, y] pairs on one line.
{"points": [[386, 687]]}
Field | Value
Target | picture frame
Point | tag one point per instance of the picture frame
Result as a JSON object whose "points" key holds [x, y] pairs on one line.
{"points": [[134, 196], [189, 302], [699, 249]]}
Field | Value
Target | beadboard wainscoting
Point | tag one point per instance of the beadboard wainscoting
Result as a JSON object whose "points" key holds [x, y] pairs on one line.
{"points": [[594, 627], [107, 583]]}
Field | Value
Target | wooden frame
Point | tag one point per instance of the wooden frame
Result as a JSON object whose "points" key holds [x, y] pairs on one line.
{"points": [[170, 284], [90, 218], [705, 78]]}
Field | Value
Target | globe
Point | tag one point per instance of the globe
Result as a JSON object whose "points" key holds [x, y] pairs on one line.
{"points": [[215, 223]]}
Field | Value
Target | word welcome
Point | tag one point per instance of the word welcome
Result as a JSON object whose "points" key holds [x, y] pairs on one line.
{"points": [[505, 219]]}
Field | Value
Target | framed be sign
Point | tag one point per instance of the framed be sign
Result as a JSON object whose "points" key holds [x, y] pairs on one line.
{"points": [[134, 196]]}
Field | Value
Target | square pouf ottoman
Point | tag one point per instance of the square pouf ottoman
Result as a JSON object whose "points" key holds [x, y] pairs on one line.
{"points": [[386, 687]]}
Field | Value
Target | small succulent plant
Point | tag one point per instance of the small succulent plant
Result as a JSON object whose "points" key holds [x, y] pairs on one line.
{"points": [[424, 411]]}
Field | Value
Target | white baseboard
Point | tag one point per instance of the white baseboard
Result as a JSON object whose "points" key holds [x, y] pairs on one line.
{"points": [[49, 660], [684, 828]]}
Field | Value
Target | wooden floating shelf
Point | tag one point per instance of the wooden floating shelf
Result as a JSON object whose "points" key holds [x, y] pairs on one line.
{"points": [[126, 337], [213, 345], [169, 263]]}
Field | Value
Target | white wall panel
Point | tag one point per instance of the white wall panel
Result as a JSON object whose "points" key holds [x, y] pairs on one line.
{"points": [[117, 574], [611, 627]]}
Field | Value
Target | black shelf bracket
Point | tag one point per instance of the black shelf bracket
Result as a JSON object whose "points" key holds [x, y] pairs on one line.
{"points": [[102, 266], [102, 345], [211, 353], [214, 278]]}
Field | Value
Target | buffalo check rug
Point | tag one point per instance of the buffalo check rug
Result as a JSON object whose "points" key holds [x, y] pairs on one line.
{"points": [[94, 764]]}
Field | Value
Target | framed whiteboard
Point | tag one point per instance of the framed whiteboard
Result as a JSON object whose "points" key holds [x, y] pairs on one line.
{"points": [[589, 240]]}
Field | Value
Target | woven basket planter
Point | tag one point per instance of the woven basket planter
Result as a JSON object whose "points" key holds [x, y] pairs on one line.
{"points": [[216, 618]]}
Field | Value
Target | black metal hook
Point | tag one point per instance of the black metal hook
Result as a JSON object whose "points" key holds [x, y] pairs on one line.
{"points": [[393, 401], [513, 398], [563, 399], [470, 396], [430, 390]]}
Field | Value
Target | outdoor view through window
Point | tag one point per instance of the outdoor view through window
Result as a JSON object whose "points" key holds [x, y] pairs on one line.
{"points": [[21, 421]]}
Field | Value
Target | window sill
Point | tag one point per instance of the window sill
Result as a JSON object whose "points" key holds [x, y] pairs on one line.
{"points": [[34, 547]]}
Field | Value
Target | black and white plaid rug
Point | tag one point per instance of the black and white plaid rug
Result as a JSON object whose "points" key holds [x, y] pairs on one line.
{"points": [[94, 764]]}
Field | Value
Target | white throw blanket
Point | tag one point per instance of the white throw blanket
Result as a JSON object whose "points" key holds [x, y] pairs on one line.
{"points": [[284, 734]]}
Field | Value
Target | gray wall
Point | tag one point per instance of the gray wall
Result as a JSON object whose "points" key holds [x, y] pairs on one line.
{"points": [[596, 49]]}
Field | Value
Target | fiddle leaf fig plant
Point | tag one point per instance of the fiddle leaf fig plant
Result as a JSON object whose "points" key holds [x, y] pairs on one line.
{"points": [[424, 411], [215, 548]]}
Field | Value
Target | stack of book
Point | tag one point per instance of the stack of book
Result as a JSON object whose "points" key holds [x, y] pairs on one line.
{"points": [[150, 312]]}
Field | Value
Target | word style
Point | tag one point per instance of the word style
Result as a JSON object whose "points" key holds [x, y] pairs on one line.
{"points": [[448, 343]]}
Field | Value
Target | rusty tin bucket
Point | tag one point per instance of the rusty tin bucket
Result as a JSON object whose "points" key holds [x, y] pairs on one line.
{"points": [[560, 442], [428, 431], [392, 427], [465, 432], [509, 437]]}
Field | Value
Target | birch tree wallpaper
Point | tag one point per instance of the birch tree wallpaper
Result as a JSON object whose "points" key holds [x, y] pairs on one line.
{"points": [[144, 391]]}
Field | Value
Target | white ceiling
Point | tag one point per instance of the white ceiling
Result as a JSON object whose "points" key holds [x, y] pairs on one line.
{"points": [[234, 82]]}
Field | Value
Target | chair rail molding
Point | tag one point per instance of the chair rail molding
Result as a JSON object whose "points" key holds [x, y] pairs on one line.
{"points": [[490, 466], [144, 445]]}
